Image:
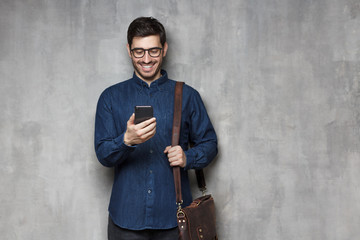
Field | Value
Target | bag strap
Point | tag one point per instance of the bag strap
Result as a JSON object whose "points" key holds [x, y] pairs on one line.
{"points": [[175, 141], [201, 180], [175, 137]]}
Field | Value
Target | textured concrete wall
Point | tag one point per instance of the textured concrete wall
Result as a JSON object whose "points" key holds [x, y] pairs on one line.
{"points": [[280, 79]]}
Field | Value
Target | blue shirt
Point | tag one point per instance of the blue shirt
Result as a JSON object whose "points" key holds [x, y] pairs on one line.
{"points": [[143, 194]]}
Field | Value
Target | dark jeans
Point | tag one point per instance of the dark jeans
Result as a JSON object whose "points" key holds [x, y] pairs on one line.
{"points": [[117, 233]]}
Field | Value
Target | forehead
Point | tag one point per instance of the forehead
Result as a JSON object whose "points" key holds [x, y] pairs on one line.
{"points": [[146, 42]]}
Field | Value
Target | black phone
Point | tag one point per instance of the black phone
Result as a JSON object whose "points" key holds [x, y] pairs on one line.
{"points": [[143, 113]]}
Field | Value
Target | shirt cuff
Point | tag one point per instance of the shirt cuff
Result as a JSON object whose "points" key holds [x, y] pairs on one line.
{"points": [[119, 141], [190, 159]]}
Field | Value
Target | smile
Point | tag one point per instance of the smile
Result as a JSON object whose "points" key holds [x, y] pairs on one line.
{"points": [[147, 67]]}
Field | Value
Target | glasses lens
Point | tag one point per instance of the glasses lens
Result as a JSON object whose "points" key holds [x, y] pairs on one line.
{"points": [[154, 52], [138, 53]]}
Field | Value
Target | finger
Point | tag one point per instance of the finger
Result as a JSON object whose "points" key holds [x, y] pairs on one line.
{"points": [[176, 163], [167, 149], [149, 134], [149, 128], [140, 131], [146, 122], [173, 164], [173, 149], [173, 156]]}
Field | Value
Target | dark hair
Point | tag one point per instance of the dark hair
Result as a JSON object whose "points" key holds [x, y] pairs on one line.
{"points": [[146, 26]]}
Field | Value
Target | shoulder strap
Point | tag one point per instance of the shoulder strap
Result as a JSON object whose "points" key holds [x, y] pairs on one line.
{"points": [[175, 141], [175, 136]]}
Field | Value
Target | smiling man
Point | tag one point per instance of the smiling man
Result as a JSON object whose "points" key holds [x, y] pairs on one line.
{"points": [[142, 203]]}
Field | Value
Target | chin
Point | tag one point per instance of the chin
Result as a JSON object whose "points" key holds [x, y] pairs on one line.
{"points": [[151, 76]]}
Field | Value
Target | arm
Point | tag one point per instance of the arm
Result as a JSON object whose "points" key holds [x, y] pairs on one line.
{"points": [[110, 148], [109, 144], [201, 134]]}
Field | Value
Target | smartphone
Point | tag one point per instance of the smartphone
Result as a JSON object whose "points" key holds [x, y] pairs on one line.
{"points": [[143, 113]]}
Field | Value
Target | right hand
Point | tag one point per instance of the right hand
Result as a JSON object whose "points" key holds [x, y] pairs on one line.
{"points": [[139, 133]]}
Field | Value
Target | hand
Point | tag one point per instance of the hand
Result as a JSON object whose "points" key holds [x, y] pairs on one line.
{"points": [[176, 156], [139, 133]]}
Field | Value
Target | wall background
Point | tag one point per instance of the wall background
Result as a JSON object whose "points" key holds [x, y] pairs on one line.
{"points": [[280, 79]]}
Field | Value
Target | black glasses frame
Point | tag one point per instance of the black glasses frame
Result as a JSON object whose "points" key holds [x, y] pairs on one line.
{"points": [[144, 50]]}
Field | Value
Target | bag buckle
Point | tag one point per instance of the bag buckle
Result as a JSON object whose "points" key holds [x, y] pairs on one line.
{"points": [[203, 190]]}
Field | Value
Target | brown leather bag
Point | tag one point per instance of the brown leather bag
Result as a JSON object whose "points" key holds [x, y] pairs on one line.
{"points": [[196, 221]]}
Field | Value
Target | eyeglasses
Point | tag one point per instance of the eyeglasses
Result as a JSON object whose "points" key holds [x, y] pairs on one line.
{"points": [[140, 52]]}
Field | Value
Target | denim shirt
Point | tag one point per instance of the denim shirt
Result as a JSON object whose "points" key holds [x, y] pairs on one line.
{"points": [[143, 194]]}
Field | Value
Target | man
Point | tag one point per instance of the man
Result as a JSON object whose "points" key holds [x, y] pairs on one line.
{"points": [[143, 204]]}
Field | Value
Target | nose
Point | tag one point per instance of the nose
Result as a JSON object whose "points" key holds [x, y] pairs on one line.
{"points": [[147, 57]]}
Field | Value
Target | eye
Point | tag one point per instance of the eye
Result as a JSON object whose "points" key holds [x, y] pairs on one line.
{"points": [[138, 51], [154, 51]]}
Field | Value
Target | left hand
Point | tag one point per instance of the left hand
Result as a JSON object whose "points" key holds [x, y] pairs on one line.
{"points": [[176, 156]]}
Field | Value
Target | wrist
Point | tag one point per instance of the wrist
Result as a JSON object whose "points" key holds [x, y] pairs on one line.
{"points": [[184, 161], [127, 141]]}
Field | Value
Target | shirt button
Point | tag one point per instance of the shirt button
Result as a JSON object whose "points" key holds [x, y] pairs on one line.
{"points": [[149, 191], [151, 151], [150, 171]]}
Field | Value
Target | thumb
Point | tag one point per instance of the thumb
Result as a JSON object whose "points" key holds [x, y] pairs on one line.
{"points": [[167, 149], [131, 119]]}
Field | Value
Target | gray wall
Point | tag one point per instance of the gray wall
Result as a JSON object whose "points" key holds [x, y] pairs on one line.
{"points": [[280, 79]]}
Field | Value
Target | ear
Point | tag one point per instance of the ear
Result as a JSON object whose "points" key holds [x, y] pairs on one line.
{"points": [[165, 48], [128, 49]]}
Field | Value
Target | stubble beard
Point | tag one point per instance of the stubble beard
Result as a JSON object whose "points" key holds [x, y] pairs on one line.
{"points": [[151, 77]]}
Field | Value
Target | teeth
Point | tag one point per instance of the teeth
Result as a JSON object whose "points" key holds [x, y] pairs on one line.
{"points": [[147, 66]]}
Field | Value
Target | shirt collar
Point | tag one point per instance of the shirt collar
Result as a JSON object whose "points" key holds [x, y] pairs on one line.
{"points": [[157, 83]]}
